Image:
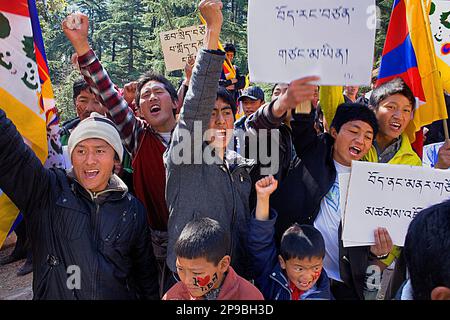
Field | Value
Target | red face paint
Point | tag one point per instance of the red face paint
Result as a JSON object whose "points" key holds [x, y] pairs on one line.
{"points": [[205, 283], [202, 281], [316, 275]]}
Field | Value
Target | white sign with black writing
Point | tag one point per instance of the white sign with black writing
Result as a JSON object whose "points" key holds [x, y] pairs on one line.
{"points": [[180, 44], [333, 39], [389, 196]]}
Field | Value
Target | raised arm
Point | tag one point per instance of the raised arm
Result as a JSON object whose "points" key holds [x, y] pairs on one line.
{"points": [[272, 114], [261, 242], [23, 178], [201, 96], [129, 126]]}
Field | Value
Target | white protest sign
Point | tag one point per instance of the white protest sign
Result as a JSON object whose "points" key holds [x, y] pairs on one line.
{"points": [[344, 180], [333, 39], [440, 29], [389, 196], [180, 44]]}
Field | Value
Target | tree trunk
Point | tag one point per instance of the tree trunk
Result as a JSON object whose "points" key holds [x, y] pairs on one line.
{"points": [[99, 51], [233, 17], [113, 56]]}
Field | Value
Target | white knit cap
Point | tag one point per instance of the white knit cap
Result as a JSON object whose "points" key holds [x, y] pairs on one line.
{"points": [[96, 126]]}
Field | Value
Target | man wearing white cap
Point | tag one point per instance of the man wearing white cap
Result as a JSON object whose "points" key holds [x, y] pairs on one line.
{"points": [[90, 236]]}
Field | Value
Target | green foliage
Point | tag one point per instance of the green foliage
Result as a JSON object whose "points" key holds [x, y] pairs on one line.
{"points": [[385, 7]]}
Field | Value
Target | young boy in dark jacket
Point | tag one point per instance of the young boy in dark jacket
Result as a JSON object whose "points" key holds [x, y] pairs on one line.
{"points": [[296, 273]]}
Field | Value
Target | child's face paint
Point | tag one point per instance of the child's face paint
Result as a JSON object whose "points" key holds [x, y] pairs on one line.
{"points": [[207, 283], [199, 275], [303, 272]]}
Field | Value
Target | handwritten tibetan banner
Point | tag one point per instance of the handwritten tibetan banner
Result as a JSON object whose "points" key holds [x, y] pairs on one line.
{"points": [[333, 39], [180, 44], [389, 196]]}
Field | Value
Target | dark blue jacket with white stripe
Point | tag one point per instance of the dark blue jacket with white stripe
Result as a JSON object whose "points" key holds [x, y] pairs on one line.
{"points": [[269, 277]]}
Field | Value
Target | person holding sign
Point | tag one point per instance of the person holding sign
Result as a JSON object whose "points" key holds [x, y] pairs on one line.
{"points": [[393, 103], [310, 192]]}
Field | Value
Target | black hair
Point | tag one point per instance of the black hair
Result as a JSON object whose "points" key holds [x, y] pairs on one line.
{"points": [[427, 250], [275, 85], [302, 241], [395, 86], [225, 95], [78, 86], [203, 238], [351, 112], [152, 76], [229, 47]]}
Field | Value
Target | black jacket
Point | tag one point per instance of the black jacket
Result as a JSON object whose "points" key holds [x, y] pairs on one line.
{"points": [[105, 236], [302, 189]]}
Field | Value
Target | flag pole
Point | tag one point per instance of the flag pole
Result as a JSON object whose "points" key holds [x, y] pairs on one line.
{"points": [[304, 107], [444, 123]]}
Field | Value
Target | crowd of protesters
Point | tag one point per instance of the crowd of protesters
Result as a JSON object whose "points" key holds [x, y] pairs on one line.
{"points": [[162, 196]]}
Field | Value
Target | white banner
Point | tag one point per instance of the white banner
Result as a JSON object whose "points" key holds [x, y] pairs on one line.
{"points": [[333, 39], [180, 44], [389, 196]]}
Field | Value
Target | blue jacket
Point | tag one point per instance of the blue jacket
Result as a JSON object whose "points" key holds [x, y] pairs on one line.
{"points": [[269, 277]]}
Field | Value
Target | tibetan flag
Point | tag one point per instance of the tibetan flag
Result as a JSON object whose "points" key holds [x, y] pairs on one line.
{"points": [[228, 68], [26, 93], [440, 29], [409, 54]]}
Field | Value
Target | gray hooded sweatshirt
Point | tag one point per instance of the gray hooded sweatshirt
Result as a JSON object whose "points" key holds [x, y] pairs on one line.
{"points": [[194, 188]]}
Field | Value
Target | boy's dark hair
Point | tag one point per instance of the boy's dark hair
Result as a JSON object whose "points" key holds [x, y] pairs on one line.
{"points": [[203, 238], [152, 76], [351, 112], [302, 241], [229, 47], [225, 95], [273, 88], [395, 86], [78, 86], [427, 250]]}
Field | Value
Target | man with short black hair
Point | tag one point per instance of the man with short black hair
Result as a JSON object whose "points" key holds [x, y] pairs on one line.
{"points": [[252, 98]]}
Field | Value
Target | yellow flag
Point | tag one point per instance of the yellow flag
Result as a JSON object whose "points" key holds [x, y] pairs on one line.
{"points": [[330, 97]]}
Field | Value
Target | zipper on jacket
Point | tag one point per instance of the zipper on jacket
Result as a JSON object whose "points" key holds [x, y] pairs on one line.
{"points": [[233, 217], [96, 241], [285, 286]]}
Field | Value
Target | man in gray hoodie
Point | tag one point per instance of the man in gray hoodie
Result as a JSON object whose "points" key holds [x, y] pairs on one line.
{"points": [[204, 179]]}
